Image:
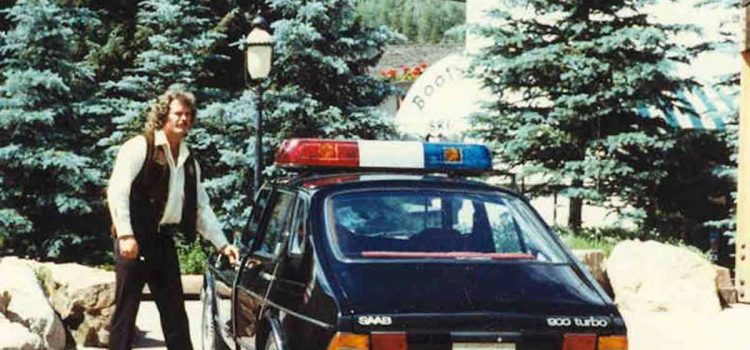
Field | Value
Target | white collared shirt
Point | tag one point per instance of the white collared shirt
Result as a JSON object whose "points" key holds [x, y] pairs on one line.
{"points": [[128, 164]]}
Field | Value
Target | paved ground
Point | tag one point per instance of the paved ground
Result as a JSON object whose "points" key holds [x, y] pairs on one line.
{"points": [[150, 336], [727, 330]]}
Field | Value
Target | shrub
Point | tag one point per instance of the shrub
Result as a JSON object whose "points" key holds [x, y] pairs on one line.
{"points": [[193, 256]]}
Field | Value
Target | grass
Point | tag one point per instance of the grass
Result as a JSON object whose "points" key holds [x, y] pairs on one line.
{"points": [[604, 238], [582, 242]]}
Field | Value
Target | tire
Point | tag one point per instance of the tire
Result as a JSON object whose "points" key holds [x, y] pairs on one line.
{"points": [[210, 338]]}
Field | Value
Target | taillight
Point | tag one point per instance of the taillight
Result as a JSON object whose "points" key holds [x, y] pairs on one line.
{"points": [[349, 341], [574, 341], [613, 342], [389, 341]]}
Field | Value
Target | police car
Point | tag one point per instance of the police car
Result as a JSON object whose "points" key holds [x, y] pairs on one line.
{"points": [[380, 245]]}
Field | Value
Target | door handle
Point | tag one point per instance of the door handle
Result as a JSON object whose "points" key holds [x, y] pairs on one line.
{"points": [[267, 276], [250, 264]]}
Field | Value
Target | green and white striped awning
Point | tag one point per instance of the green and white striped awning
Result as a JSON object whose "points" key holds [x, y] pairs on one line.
{"points": [[703, 107]]}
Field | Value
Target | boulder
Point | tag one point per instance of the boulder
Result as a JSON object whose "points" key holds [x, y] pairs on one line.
{"points": [[595, 260], [651, 276], [17, 337], [27, 304], [84, 297]]}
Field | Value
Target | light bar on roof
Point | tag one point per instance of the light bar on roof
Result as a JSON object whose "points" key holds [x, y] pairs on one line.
{"points": [[369, 154]]}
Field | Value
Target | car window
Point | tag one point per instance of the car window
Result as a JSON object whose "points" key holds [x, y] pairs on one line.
{"points": [[276, 221], [437, 223], [297, 240], [256, 216], [505, 233]]}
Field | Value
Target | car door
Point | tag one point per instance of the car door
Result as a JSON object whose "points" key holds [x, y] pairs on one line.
{"points": [[292, 271], [224, 274], [293, 274], [256, 274]]}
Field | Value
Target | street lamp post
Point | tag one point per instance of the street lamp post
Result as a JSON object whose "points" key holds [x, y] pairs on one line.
{"points": [[258, 63]]}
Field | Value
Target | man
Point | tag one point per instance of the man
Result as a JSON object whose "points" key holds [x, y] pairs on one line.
{"points": [[154, 192]]}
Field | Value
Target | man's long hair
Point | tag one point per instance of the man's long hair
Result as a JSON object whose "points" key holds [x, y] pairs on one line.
{"points": [[157, 116]]}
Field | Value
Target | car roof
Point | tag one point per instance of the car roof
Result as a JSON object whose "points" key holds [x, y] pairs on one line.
{"points": [[330, 181]]}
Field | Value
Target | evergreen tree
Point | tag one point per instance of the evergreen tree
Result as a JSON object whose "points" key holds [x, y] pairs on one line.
{"points": [[728, 172], [226, 151], [319, 87], [319, 84], [112, 45], [570, 77], [49, 182], [178, 43]]}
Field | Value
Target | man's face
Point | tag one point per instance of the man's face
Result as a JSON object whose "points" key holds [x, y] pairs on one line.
{"points": [[179, 119]]}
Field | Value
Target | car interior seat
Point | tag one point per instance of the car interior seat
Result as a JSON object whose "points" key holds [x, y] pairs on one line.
{"points": [[437, 240]]}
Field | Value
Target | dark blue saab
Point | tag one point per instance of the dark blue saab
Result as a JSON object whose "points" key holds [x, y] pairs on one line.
{"points": [[380, 245]]}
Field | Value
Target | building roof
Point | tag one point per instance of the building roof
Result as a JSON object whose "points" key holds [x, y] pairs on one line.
{"points": [[413, 54]]}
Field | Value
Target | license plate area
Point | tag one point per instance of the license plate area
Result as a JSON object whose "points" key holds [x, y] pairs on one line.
{"points": [[483, 346]]}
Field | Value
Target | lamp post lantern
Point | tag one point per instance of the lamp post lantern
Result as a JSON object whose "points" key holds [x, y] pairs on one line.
{"points": [[258, 64]]}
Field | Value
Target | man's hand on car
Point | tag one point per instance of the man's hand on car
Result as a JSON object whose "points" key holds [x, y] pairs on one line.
{"points": [[232, 253]]}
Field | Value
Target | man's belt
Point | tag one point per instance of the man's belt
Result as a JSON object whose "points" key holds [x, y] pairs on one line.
{"points": [[168, 229]]}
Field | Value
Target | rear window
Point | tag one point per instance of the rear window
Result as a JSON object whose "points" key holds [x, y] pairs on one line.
{"points": [[443, 224]]}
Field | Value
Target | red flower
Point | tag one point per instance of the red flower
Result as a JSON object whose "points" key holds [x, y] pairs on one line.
{"points": [[403, 72]]}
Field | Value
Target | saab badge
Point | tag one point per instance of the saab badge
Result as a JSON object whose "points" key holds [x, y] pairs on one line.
{"points": [[374, 320]]}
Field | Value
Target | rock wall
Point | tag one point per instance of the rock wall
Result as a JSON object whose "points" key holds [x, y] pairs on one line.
{"points": [[42, 300]]}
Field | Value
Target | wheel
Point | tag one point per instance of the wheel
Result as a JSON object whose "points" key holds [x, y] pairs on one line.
{"points": [[210, 337]]}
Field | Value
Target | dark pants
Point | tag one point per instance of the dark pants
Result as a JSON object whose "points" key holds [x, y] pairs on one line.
{"points": [[159, 268]]}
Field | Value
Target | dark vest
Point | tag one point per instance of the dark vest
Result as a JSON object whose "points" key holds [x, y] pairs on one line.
{"points": [[149, 191]]}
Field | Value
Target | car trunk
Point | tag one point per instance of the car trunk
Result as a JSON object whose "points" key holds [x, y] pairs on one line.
{"points": [[439, 304], [467, 295]]}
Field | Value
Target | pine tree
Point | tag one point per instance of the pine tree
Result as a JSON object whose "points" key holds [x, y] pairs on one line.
{"points": [[226, 151], [570, 77], [178, 42], [319, 87], [319, 84], [728, 172], [48, 179]]}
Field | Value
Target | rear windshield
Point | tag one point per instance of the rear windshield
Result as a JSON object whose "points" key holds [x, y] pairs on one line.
{"points": [[441, 224]]}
